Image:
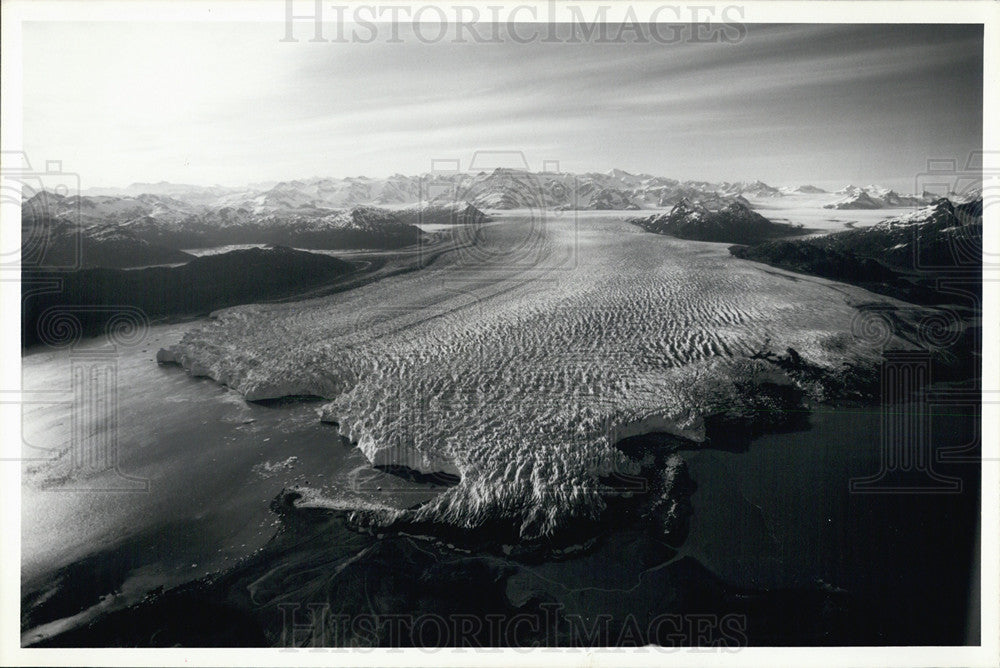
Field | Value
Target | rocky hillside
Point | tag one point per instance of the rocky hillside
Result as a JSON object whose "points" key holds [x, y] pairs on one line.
{"points": [[899, 256], [729, 221], [135, 231], [877, 197], [202, 285], [802, 190], [453, 213], [939, 235], [359, 227], [65, 247]]}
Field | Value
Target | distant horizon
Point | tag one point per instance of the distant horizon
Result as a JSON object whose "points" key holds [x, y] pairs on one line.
{"points": [[230, 103], [830, 186]]}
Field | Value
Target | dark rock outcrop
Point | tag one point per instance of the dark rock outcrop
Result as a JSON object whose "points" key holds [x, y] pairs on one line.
{"points": [[730, 221], [196, 288], [62, 247], [896, 254], [456, 213]]}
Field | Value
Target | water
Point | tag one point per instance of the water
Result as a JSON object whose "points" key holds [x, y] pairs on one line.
{"points": [[780, 515], [213, 463]]}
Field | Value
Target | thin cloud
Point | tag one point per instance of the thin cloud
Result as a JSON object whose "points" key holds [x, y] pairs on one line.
{"points": [[211, 103]]}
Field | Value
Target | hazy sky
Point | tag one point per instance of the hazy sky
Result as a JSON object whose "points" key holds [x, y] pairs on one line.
{"points": [[232, 104]]}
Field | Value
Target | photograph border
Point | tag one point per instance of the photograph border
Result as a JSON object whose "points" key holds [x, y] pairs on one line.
{"points": [[985, 12]]}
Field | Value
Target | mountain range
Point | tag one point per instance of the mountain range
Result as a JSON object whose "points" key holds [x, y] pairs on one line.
{"points": [[878, 197], [501, 188], [154, 223], [147, 229]]}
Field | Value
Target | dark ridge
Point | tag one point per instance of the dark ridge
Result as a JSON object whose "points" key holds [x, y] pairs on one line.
{"points": [[68, 233], [970, 212], [807, 257], [727, 220], [901, 260], [131, 298], [455, 214], [58, 246], [369, 227]]}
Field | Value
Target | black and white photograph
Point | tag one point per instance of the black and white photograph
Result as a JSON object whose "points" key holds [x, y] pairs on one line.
{"points": [[543, 333]]}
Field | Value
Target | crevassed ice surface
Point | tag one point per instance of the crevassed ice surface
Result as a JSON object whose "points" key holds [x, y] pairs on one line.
{"points": [[520, 356]]}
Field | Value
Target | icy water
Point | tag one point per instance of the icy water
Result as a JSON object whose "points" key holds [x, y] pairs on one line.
{"points": [[781, 515], [187, 492]]}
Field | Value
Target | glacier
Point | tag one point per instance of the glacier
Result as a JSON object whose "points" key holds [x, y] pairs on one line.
{"points": [[519, 359]]}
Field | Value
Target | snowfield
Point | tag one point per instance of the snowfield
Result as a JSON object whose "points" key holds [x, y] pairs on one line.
{"points": [[519, 359], [808, 210]]}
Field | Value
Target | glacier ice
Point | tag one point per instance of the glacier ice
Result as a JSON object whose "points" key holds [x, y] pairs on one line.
{"points": [[517, 361]]}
